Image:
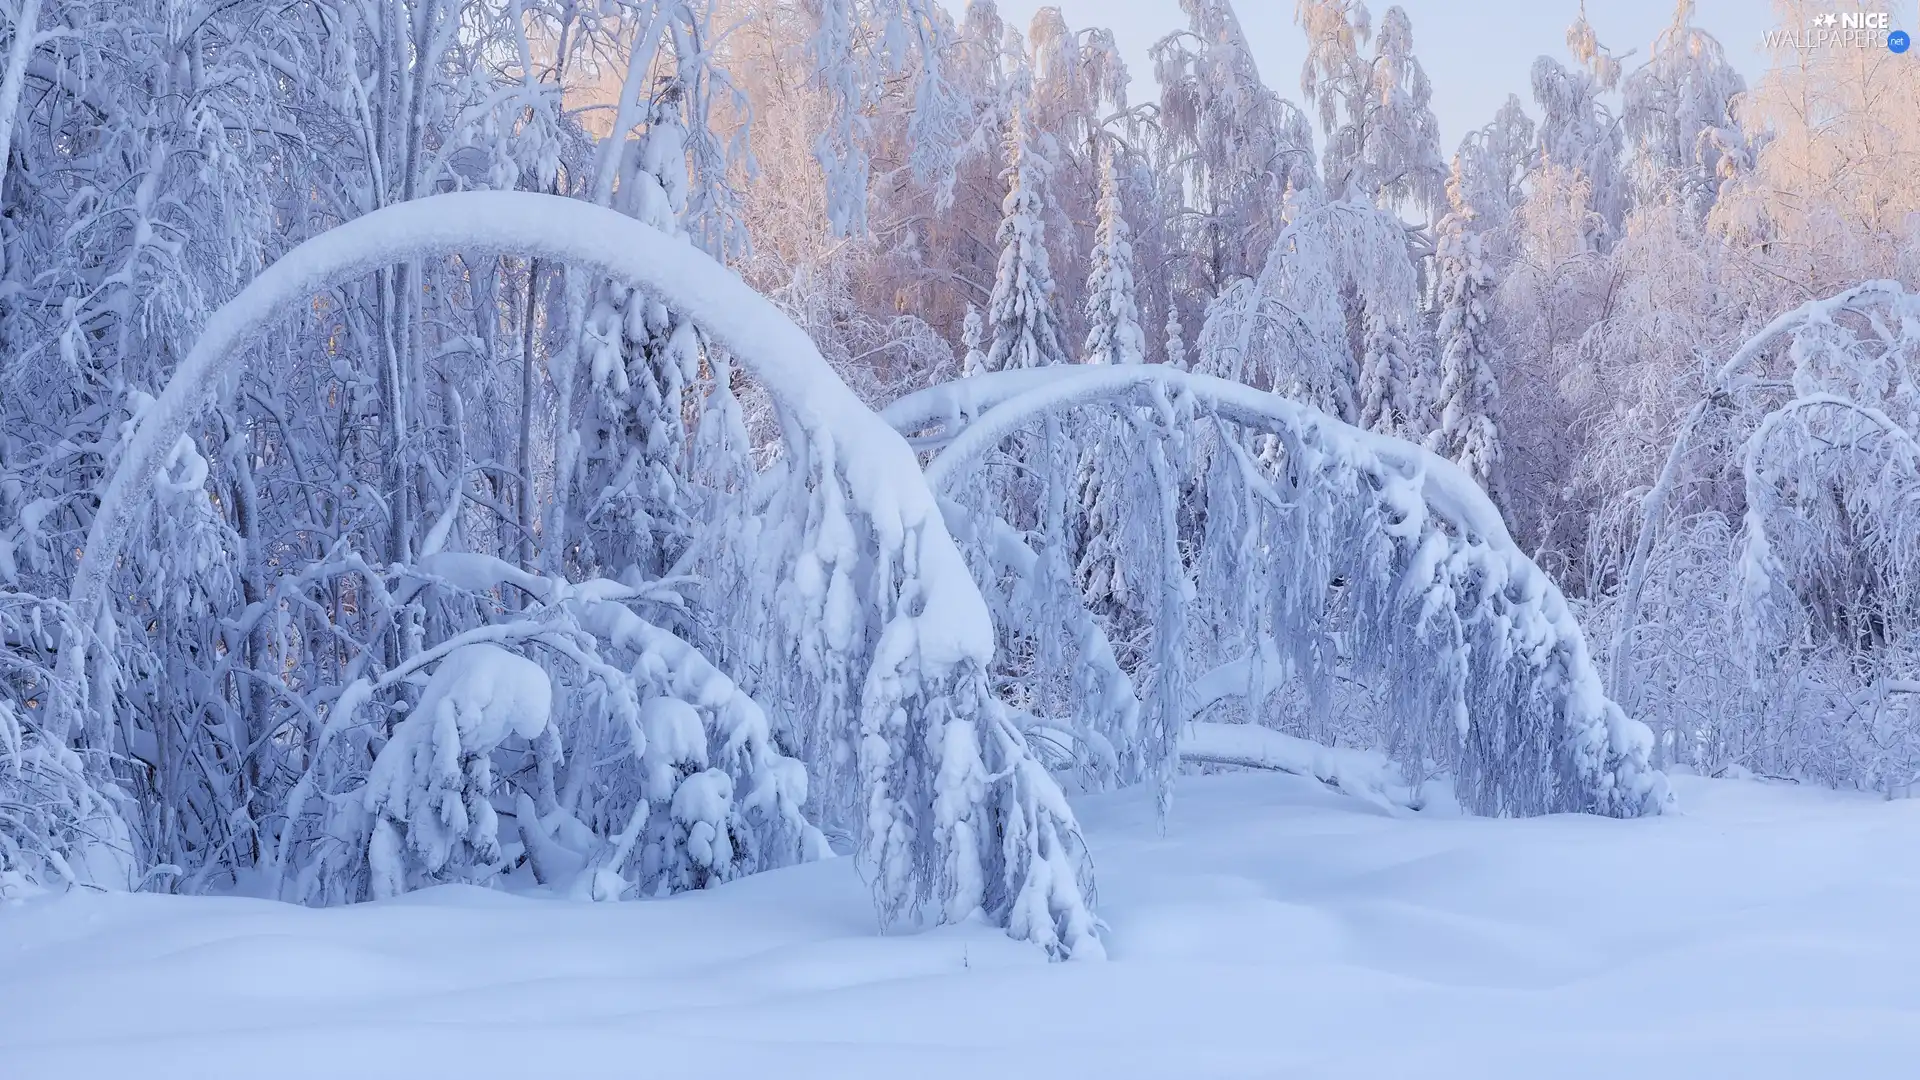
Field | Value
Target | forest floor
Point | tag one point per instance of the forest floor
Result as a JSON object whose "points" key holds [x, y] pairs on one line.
{"points": [[1277, 930]]}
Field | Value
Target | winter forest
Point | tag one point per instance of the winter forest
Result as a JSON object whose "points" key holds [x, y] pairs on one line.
{"points": [[609, 448]]}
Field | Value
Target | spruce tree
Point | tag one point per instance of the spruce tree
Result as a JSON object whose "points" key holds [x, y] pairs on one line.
{"points": [[1113, 317], [1466, 432], [1113, 337], [1020, 317]]}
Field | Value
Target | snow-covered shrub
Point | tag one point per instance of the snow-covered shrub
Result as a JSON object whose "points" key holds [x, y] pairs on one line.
{"points": [[430, 790], [60, 824], [629, 764], [710, 791]]}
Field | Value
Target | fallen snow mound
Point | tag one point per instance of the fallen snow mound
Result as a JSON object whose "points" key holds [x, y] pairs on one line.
{"points": [[1280, 929]]}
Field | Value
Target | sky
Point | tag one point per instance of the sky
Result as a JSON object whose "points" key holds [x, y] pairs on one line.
{"points": [[1475, 52]]}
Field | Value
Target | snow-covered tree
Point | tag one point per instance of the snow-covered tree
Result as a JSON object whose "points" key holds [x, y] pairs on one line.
{"points": [[438, 438], [1678, 114], [1381, 565], [1387, 389], [1113, 318], [1466, 428], [972, 336], [1402, 147], [1495, 161], [1289, 330], [855, 47], [1022, 326], [430, 790], [1107, 468], [1577, 130], [1828, 120], [1382, 139], [1234, 147]]}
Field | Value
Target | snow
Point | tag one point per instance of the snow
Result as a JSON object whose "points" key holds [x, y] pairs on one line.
{"points": [[934, 637], [1279, 929], [1364, 774]]}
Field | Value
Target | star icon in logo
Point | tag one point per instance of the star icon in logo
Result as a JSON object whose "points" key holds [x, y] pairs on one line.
{"points": [[1825, 20]]}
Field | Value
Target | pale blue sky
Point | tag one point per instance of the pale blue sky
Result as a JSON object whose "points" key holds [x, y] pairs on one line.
{"points": [[1476, 52]]}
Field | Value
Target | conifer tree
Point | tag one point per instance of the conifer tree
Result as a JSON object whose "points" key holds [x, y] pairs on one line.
{"points": [[1467, 431], [1113, 337], [1113, 316], [1024, 330]]}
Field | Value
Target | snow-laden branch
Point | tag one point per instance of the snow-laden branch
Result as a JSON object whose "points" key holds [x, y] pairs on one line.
{"points": [[980, 412], [1488, 670], [883, 478], [1363, 774]]}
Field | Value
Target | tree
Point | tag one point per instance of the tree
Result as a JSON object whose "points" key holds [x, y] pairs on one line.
{"points": [[1577, 131], [1023, 329], [852, 61], [1495, 161], [972, 337], [1176, 346], [1466, 430], [1113, 321], [1387, 387], [1679, 114], [1234, 147], [1383, 141], [955, 816], [1827, 120], [1382, 565], [1106, 466], [1800, 438]]}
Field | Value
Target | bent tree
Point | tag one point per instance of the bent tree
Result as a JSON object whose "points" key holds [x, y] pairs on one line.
{"points": [[1347, 585], [870, 637], [1787, 510]]}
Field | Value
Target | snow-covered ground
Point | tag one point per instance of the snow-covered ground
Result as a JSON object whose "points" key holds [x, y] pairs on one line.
{"points": [[1278, 930]]}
